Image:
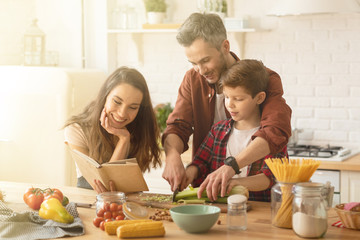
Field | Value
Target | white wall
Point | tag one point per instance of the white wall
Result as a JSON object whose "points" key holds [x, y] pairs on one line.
{"points": [[317, 56], [60, 20]]}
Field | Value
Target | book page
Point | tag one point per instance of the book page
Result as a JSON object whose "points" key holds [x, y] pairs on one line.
{"points": [[89, 168]]}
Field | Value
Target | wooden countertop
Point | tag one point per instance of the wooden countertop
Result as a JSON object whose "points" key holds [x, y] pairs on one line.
{"points": [[259, 219], [350, 164]]}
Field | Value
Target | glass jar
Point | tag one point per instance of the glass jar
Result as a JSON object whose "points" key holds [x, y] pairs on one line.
{"points": [[281, 204], [110, 202], [236, 214], [309, 210]]}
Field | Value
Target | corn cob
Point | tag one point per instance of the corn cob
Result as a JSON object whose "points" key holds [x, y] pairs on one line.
{"points": [[144, 229], [110, 227]]}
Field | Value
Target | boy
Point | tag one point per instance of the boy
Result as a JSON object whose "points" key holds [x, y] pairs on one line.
{"points": [[244, 86]]}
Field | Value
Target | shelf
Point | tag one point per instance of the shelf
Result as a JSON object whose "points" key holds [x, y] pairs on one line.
{"points": [[170, 30]]}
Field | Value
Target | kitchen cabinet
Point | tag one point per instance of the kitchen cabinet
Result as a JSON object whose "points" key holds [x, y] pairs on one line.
{"points": [[102, 40], [350, 185]]}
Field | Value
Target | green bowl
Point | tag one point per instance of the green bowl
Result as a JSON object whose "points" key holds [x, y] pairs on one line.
{"points": [[195, 218]]}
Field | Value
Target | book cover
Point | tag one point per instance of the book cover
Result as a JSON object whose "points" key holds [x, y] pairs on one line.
{"points": [[126, 174]]}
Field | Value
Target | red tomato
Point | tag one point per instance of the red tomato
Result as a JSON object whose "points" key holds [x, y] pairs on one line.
{"points": [[101, 212], [53, 193], [119, 207], [120, 217], [108, 220], [33, 197], [113, 207], [115, 214], [106, 206], [97, 221], [107, 215], [102, 225]]}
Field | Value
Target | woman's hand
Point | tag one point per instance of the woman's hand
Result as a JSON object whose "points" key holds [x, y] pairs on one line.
{"points": [[121, 133], [100, 188]]}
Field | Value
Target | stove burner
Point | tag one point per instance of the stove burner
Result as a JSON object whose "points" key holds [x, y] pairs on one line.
{"points": [[313, 151]]}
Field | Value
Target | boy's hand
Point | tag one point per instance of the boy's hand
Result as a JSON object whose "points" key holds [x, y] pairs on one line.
{"points": [[217, 181]]}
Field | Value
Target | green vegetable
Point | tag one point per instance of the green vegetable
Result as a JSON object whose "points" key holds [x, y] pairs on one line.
{"points": [[191, 194]]}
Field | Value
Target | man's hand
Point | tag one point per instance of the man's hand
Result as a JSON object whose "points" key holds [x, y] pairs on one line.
{"points": [[174, 172], [216, 181]]}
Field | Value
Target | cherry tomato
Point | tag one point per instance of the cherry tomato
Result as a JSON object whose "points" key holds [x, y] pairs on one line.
{"points": [[33, 197], [106, 206], [97, 221], [101, 212], [119, 207], [108, 220], [53, 193], [102, 225], [113, 207], [120, 217], [115, 214], [107, 215]]}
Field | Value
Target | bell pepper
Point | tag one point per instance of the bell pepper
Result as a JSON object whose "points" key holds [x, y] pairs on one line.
{"points": [[54, 210]]}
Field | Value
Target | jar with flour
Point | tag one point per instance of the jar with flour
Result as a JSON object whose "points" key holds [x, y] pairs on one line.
{"points": [[309, 219]]}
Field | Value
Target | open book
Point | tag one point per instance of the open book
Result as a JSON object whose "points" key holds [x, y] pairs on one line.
{"points": [[126, 174]]}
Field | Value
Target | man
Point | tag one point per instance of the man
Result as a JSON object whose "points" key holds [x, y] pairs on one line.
{"points": [[200, 104]]}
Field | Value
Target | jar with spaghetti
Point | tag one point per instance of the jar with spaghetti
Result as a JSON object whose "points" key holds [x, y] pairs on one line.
{"points": [[281, 204], [309, 217], [287, 172]]}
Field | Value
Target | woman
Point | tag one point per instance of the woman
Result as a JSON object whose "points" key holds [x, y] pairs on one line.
{"points": [[120, 123]]}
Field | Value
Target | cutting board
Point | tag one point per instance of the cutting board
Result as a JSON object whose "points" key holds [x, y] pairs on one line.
{"points": [[143, 199]]}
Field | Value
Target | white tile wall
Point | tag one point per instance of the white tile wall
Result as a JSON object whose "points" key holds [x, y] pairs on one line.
{"points": [[318, 58]]}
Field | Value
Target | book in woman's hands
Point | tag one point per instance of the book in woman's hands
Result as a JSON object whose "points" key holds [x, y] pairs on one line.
{"points": [[126, 174]]}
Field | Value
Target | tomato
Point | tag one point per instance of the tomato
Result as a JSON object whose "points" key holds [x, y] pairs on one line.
{"points": [[107, 215], [120, 217], [33, 197], [53, 193], [97, 221], [119, 207], [115, 214], [113, 207], [106, 206], [101, 212], [102, 225]]}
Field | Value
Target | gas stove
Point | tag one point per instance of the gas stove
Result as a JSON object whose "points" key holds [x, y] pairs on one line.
{"points": [[322, 153]]}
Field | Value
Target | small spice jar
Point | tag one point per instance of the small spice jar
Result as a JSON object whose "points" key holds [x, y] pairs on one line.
{"points": [[110, 203], [236, 214], [309, 216], [281, 204]]}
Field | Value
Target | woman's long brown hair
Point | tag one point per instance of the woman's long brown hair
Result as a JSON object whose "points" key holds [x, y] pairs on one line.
{"points": [[144, 132]]}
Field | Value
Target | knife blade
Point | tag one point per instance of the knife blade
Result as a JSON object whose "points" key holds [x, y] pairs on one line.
{"points": [[174, 194]]}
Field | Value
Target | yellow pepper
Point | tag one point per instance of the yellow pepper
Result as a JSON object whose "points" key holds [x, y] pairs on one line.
{"points": [[54, 210]]}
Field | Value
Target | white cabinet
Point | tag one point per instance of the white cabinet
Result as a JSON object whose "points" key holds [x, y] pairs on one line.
{"points": [[350, 186]]}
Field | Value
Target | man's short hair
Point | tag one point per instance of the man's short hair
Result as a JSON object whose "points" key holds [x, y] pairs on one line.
{"points": [[206, 26]]}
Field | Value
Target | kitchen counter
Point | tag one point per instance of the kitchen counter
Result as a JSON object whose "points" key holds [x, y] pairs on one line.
{"points": [[350, 164], [259, 222]]}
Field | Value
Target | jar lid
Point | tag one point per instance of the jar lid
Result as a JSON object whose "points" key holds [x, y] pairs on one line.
{"points": [[111, 196], [236, 199], [134, 211], [308, 186]]}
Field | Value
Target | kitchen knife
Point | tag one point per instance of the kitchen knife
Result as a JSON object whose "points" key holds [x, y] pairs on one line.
{"points": [[174, 194]]}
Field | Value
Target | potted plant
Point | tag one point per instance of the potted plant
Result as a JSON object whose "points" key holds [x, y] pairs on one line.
{"points": [[162, 112], [155, 10]]}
